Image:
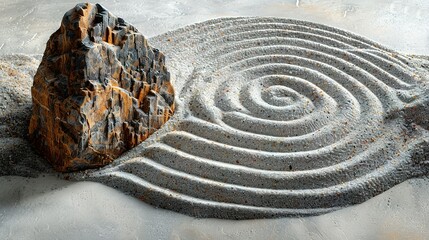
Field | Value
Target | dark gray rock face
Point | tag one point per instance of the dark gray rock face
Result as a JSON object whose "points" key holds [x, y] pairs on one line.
{"points": [[99, 90]]}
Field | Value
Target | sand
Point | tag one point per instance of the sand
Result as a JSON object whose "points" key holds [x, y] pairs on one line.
{"points": [[43, 207], [17, 157], [46, 206], [278, 117]]}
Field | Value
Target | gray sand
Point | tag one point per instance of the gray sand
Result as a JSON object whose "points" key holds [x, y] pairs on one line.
{"points": [[278, 117], [16, 78], [40, 208], [46, 206]]}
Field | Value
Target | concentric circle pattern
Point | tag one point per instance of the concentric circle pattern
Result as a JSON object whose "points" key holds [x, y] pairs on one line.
{"points": [[277, 117]]}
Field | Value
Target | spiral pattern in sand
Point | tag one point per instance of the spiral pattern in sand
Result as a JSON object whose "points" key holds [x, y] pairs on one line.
{"points": [[275, 117]]}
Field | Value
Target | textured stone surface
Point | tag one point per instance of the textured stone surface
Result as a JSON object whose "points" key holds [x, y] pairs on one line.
{"points": [[99, 90]]}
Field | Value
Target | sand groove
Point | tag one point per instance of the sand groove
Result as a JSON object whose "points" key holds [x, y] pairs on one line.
{"points": [[275, 117]]}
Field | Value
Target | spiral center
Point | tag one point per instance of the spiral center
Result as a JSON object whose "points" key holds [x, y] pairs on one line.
{"points": [[280, 95]]}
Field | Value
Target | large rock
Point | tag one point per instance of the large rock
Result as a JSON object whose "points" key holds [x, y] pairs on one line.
{"points": [[99, 90]]}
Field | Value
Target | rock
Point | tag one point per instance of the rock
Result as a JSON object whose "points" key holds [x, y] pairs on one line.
{"points": [[100, 90]]}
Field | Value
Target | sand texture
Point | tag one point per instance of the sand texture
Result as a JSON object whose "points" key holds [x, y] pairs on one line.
{"points": [[16, 154], [274, 117], [279, 117]]}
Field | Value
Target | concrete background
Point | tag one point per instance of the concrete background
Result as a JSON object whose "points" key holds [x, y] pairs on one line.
{"points": [[401, 25]]}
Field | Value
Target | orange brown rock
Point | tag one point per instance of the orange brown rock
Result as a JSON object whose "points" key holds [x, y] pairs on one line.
{"points": [[99, 91]]}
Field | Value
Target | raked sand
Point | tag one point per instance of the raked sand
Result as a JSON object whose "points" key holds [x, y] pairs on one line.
{"points": [[211, 91], [277, 117]]}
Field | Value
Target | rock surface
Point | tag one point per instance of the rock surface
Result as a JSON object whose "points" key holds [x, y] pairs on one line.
{"points": [[99, 91]]}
